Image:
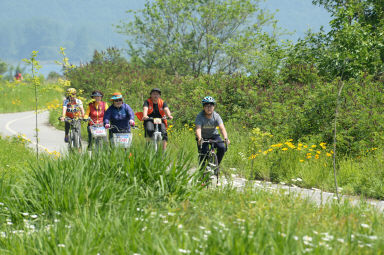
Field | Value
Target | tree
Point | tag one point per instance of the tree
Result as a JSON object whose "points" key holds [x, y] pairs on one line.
{"points": [[3, 67], [354, 44], [195, 37]]}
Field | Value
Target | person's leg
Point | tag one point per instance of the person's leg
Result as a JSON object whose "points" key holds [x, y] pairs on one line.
{"points": [[203, 150], [89, 138], [220, 148], [149, 128], [67, 126], [164, 135]]}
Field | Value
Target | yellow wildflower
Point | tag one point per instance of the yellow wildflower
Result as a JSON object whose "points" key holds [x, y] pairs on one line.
{"points": [[284, 149], [329, 154], [301, 160]]}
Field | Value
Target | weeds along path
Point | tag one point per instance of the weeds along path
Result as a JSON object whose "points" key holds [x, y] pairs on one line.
{"points": [[23, 123], [315, 195]]}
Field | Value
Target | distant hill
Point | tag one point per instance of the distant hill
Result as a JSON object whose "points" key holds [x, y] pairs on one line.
{"points": [[83, 26]]}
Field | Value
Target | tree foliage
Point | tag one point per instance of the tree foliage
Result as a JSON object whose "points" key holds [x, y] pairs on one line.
{"points": [[354, 44], [206, 36]]}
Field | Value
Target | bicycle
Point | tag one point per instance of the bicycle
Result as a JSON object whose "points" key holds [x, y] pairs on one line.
{"points": [[74, 133], [122, 138], [99, 135], [157, 137], [210, 161]]}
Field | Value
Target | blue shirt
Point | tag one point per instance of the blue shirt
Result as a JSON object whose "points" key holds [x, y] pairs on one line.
{"points": [[119, 117]]}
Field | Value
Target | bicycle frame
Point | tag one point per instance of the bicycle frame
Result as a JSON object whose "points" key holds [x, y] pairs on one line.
{"points": [[157, 136], [99, 134], [210, 160], [74, 133]]}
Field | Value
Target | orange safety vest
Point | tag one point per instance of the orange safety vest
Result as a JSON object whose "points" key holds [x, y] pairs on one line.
{"points": [[96, 114], [160, 104]]}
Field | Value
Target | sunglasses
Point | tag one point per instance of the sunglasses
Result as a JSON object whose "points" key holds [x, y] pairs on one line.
{"points": [[118, 100]]}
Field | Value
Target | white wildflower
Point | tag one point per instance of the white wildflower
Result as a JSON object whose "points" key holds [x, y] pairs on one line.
{"points": [[61, 245], [184, 251], [363, 225]]}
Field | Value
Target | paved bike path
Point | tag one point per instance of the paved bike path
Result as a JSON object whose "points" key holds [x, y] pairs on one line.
{"points": [[23, 123]]}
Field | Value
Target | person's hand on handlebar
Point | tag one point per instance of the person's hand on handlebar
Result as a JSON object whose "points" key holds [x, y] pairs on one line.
{"points": [[227, 142], [170, 117], [62, 118], [132, 123], [145, 117], [107, 126], [199, 140]]}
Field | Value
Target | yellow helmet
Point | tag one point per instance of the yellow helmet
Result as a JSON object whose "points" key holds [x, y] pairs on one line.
{"points": [[71, 91]]}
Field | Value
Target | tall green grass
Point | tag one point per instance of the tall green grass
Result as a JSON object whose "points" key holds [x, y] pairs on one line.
{"points": [[20, 96], [15, 157], [138, 202]]}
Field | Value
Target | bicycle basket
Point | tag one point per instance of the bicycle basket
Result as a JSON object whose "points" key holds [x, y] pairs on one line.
{"points": [[98, 131], [123, 140]]}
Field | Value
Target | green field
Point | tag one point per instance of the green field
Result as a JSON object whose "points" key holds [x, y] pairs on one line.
{"points": [[20, 96]]}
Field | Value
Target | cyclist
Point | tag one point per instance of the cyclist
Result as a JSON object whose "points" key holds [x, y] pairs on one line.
{"points": [[119, 114], [72, 108], [95, 111], [155, 107], [206, 123]]}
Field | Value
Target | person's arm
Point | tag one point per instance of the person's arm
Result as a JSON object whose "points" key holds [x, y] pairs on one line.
{"points": [[107, 117], [145, 112], [131, 115], [198, 134], [63, 113], [87, 112], [81, 108], [223, 131], [168, 113]]}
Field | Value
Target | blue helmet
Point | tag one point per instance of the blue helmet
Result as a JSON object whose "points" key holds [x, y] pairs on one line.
{"points": [[208, 100]]}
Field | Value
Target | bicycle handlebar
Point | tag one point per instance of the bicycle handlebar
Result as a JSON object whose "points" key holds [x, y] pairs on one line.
{"points": [[121, 130], [211, 141]]}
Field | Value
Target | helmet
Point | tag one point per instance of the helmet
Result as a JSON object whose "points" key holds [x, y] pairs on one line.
{"points": [[97, 93], [155, 90], [71, 91], [116, 95], [208, 100]]}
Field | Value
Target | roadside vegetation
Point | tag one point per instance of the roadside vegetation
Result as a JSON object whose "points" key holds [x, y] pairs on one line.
{"points": [[279, 103], [137, 202], [18, 96]]}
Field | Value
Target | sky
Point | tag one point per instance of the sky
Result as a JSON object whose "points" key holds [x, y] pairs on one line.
{"points": [[296, 16]]}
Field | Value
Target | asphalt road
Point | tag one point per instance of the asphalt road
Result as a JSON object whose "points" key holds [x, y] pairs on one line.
{"points": [[23, 123]]}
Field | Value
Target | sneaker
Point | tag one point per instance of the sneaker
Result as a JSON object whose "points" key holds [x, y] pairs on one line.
{"points": [[66, 139]]}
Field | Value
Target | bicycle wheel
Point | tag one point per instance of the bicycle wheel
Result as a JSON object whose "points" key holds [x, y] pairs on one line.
{"points": [[70, 145], [98, 142], [76, 139], [156, 141], [213, 163]]}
